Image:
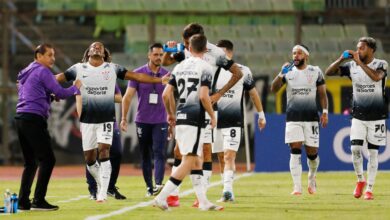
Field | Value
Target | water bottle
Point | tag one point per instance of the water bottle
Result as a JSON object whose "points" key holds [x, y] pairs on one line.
{"points": [[7, 201], [14, 203], [178, 48], [347, 55], [288, 68]]}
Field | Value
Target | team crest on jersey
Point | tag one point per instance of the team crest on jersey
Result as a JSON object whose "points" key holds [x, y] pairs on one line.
{"points": [[309, 78], [106, 74]]}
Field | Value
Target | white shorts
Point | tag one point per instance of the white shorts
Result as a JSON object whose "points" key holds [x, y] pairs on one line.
{"points": [[189, 140], [373, 132], [208, 133], [227, 139], [303, 131], [92, 134]]}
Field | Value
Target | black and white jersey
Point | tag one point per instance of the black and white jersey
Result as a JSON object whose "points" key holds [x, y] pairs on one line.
{"points": [[216, 57], [230, 106], [369, 101], [187, 77], [97, 90], [301, 93]]}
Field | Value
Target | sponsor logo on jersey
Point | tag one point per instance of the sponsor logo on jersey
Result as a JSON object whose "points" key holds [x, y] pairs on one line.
{"points": [[181, 116], [106, 74]]}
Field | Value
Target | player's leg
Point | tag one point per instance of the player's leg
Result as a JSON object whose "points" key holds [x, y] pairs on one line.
{"points": [[115, 159], [173, 198], [159, 134], [294, 138], [207, 165], [358, 135], [92, 188], [144, 133], [89, 143], [312, 141], [217, 148], [376, 137], [104, 134]]}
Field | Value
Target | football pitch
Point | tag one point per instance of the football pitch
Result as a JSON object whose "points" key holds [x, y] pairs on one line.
{"points": [[258, 196]]}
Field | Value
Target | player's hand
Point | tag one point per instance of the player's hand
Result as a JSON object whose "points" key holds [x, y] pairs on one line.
{"points": [[124, 125], [171, 43], [171, 132], [165, 78], [171, 119], [355, 57], [213, 122], [215, 97], [284, 66], [261, 123], [324, 120]]}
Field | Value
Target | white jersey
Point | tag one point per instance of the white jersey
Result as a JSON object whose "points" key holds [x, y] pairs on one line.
{"points": [[301, 93], [369, 100], [97, 90], [230, 110], [187, 77], [216, 57]]}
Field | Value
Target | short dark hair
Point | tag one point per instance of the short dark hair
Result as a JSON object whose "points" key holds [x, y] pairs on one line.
{"points": [[42, 48], [192, 29], [225, 44], [371, 42], [198, 43], [155, 45], [107, 55]]}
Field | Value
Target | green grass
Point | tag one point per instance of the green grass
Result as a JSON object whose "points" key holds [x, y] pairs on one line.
{"points": [[260, 196]]}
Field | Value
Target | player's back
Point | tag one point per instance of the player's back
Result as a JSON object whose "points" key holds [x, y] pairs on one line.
{"points": [[188, 77]]}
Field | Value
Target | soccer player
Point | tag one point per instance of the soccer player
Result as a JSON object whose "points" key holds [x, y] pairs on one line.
{"points": [[230, 120], [369, 108], [303, 83], [217, 58], [98, 109], [192, 78]]}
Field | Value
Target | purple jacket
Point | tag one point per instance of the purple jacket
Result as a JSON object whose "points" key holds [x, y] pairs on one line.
{"points": [[35, 85]]}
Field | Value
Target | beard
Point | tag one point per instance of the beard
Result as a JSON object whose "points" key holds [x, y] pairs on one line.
{"points": [[299, 63]]}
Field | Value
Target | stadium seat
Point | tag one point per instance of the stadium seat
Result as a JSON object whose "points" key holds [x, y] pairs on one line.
{"points": [[276, 61], [333, 31], [135, 5], [283, 46], [314, 5], [134, 47], [201, 19], [242, 46], [174, 5], [261, 5], [110, 23], [269, 31], [122, 59], [136, 33], [242, 20], [152, 5], [287, 31], [312, 32], [219, 20], [199, 5], [348, 44], [177, 20], [258, 63], [220, 5], [225, 32], [299, 5], [311, 44], [247, 31], [282, 5], [379, 46], [328, 46], [163, 33], [355, 30], [262, 46], [239, 5], [47, 5]]}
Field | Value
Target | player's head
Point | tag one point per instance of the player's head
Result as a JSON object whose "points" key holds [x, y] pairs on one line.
{"points": [[190, 30], [155, 54], [45, 55], [366, 47], [227, 46], [96, 50], [198, 44], [300, 55], [107, 55]]}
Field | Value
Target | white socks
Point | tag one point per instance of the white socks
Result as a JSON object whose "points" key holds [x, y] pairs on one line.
{"points": [[357, 160], [177, 189], [200, 192], [313, 166], [372, 168], [105, 175], [296, 171], [94, 170], [228, 177], [206, 179], [167, 190]]}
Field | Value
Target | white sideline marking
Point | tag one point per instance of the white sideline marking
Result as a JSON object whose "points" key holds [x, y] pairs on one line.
{"points": [[149, 203], [72, 199]]}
